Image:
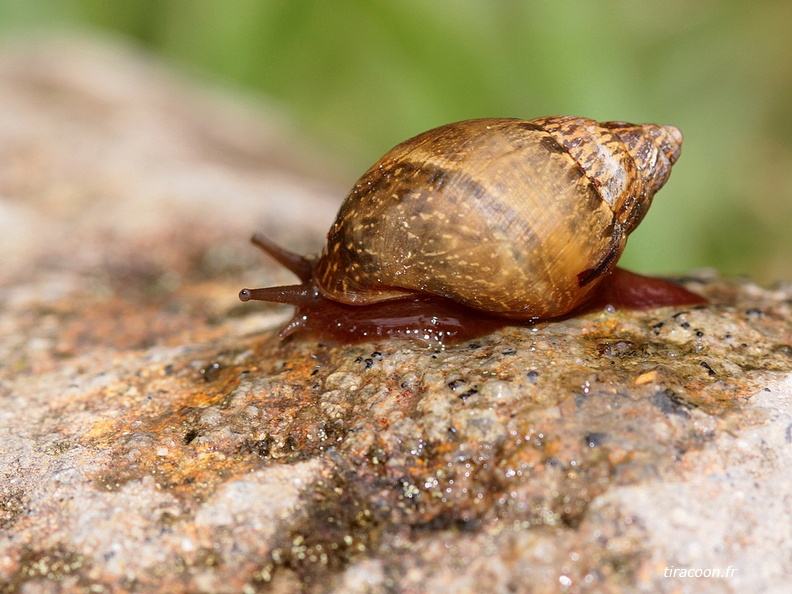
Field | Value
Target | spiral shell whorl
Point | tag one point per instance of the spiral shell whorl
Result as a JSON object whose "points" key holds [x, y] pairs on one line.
{"points": [[653, 148], [628, 163]]}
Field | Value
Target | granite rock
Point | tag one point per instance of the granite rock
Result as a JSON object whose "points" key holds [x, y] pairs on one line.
{"points": [[156, 435]]}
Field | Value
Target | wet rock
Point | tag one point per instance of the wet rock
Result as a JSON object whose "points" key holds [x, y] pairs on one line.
{"points": [[157, 435]]}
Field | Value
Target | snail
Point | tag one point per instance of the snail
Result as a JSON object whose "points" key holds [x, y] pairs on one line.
{"points": [[483, 223]]}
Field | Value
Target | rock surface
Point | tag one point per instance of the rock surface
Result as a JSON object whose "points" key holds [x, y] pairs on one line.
{"points": [[156, 435]]}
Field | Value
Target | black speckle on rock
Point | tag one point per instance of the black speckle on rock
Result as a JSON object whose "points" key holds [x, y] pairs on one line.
{"points": [[710, 370], [368, 362], [468, 394], [457, 383], [258, 447], [595, 438], [210, 372], [670, 403]]}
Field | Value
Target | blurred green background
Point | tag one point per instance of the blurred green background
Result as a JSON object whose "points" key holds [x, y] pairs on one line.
{"points": [[361, 75]]}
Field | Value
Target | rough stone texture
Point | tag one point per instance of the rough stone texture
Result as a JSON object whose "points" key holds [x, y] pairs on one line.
{"points": [[155, 435]]}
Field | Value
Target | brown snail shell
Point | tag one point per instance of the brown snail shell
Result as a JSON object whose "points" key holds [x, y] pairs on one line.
{"points": [[516, 218]]}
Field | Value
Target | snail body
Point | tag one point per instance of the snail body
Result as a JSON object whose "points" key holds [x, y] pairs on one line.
{"points": [[517, 220]]}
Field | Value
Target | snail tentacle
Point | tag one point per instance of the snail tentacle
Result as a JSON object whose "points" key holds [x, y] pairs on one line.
{"points": [[301, 266]]}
